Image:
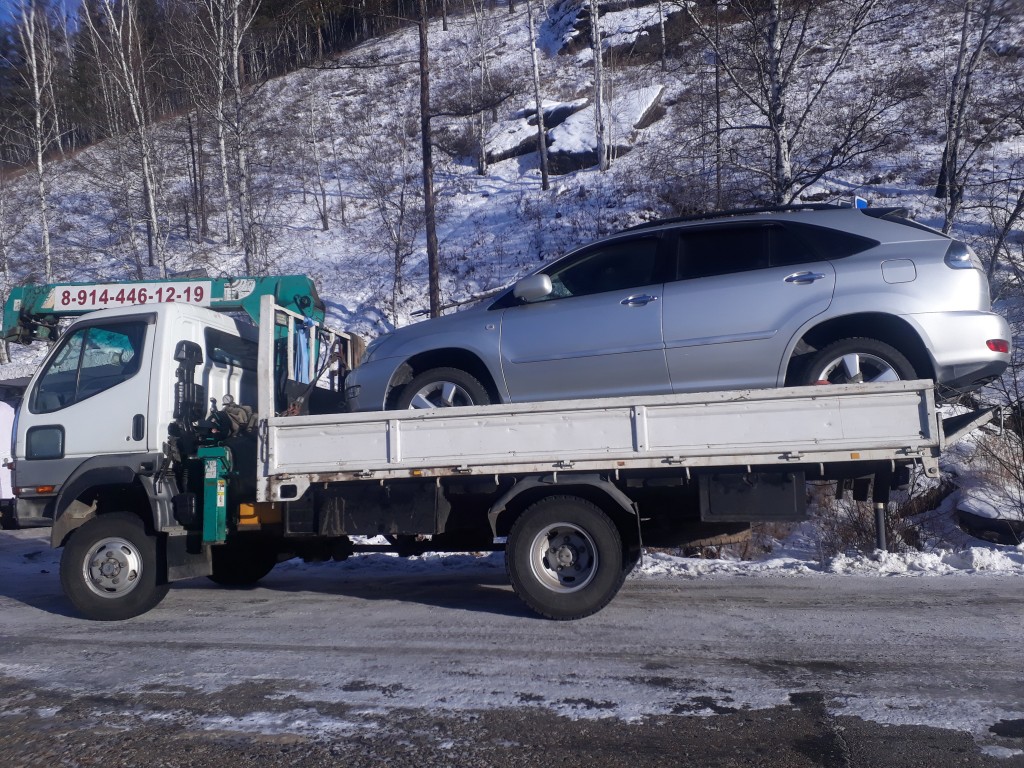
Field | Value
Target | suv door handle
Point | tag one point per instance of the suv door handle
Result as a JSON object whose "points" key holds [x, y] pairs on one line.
{"points": [[638, 301], [804, 278]]}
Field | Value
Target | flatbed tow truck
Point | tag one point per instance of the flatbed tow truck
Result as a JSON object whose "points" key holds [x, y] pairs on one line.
{"points": [[167, 440]]}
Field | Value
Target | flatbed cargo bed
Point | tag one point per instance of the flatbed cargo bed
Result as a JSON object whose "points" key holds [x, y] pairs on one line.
{"points": [[800, 425]]}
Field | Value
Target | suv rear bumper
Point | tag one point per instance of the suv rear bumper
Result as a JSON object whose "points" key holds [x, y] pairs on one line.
{"points": [[958, 345], [966, 378]]}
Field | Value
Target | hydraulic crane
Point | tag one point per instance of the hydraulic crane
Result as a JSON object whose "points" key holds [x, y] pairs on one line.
{"points": [[33, 312]]}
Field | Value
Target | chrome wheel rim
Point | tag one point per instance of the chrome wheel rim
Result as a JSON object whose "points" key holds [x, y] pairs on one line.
{"points": [[113, 567], [563, 557], [441, 394], [856, 368]]}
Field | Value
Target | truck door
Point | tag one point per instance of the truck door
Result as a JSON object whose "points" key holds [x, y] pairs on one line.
{"points": [[91, 398]]}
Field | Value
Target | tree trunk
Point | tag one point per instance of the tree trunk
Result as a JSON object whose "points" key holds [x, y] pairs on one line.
{"points": [[777, 116], [599, 110], [429, 211], [542, 143], [35, 62]]}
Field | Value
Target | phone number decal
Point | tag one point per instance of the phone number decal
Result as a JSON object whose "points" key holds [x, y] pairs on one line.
{"points": [[119, 295]]}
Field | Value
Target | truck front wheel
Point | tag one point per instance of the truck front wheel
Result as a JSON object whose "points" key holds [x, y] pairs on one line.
{"points": [[564, 558], [109, 568]]}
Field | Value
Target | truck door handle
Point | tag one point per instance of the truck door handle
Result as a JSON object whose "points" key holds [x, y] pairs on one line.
{"points": [[804, 278], [638, 301], [138, 427]]}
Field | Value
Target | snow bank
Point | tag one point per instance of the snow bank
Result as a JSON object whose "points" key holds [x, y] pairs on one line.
{"points": [[974, 560]]}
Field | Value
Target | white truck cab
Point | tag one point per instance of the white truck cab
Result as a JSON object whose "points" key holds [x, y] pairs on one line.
{"points": [[98, 410]]}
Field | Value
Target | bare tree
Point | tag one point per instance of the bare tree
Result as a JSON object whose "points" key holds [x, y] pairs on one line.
{"points": [[979, 21], [429, 203], [238, 16], [542, 143], [313, 139], [763, 54], [482, 47], [13, 221], [383, 167], [600, 128], [34, 36], [120, 42]]}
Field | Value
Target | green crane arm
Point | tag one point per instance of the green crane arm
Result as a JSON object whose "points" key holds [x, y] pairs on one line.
{"points": [[32, 312]]}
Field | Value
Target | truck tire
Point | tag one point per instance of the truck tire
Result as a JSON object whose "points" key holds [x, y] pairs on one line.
{"points": [[8, 521], [441, 388], [564, 558], [856, 360], [242, 564], [109, 568]]}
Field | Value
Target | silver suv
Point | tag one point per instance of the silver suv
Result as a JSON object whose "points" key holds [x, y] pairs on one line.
{"points": [[755, 298]]}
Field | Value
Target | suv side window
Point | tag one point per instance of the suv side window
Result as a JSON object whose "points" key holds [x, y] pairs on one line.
{"points": [[89, 361], [615, 266], [721, 250], [828, 243], [788, 248]]}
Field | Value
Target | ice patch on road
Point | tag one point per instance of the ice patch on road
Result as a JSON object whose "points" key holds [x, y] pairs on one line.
{"points": [[1004, 752], [300, 722]]}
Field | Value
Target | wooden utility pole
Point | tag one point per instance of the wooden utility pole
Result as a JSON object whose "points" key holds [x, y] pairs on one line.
{"points": [[429, 212]]}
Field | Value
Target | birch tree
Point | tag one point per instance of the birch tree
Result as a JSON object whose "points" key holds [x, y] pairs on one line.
{"points": [[600, 128], [238, 15], [39, 72], [120, 43], [542, 143], [763, 54]]}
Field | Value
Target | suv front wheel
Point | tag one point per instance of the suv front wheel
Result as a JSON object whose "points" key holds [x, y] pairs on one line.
{"points": [[857, 360], [442, 388]]}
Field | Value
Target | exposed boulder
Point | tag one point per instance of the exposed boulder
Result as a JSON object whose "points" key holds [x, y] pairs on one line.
{"points": [[573, 144], [518, 135]]}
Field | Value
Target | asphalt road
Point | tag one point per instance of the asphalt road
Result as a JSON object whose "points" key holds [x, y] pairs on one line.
{"points": [[441, 665]]}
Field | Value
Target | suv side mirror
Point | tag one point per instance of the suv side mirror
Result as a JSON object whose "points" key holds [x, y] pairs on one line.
{"points": [[532, 288]]}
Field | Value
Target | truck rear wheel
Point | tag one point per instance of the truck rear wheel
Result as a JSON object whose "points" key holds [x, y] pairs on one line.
{"points": [[564, 558], [109, 568]]}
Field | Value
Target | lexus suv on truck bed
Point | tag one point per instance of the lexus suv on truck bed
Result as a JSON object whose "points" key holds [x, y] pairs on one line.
{"points": [[742, 299]]}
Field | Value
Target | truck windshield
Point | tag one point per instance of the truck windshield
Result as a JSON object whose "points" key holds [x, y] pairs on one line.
{"points": [[89, 361]]}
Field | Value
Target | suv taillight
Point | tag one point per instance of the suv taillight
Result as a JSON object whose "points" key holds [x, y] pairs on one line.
{"points": [[960, 256], [998, 345]]}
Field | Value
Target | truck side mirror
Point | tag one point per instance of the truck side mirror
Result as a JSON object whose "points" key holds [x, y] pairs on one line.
{"points": [[189, 353], [189, 397], [532, 288]]}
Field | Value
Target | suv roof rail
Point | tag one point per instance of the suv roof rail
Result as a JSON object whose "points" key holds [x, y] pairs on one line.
{"points": [[880, 213], [895, 212]]}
